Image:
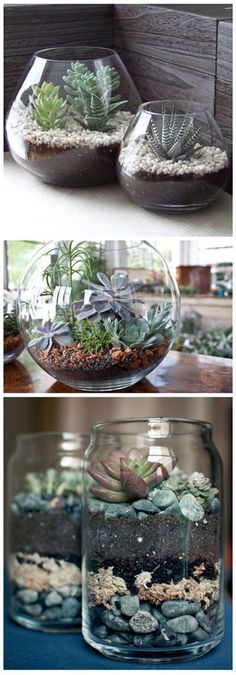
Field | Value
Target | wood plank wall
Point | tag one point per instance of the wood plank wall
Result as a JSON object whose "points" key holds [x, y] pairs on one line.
{"points": [[28, 28], [223, 107]]}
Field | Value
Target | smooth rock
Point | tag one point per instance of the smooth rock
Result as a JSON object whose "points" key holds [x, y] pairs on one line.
{"points": [[158, 615], [182, 639], [115, 604], [143, 640], [190, 508], [145, 606], [27, 596], [65, 591], [200, 634], [116, 510], [129, 604], [117, 639], [96, 506], [183, 624], [215, 505], [52, 613], [33, 610], [70, 608], [212, 611], [100, 631], [141, 515], [173, 509], [52, 599], [203, 621], [164, 498], [115, 622], [173, 608], [143, 622], [145, 505]]}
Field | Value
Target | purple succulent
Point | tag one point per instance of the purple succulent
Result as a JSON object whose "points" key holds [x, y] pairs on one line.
{"points": [[53, 332], [112, 297]]}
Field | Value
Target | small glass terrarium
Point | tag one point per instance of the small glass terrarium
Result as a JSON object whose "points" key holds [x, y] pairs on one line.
{"points": [[70, 115], [45, 531], [153, 560], [173, 157], [12, 340], [98, 316]]}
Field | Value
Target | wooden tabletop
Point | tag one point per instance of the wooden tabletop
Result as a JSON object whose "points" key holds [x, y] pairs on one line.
{"points": [[178, 373]]}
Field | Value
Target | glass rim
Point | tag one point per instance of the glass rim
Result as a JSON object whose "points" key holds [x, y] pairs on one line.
{"points": [[45, 53], [155, 420], [199, 107], [64, 435]]}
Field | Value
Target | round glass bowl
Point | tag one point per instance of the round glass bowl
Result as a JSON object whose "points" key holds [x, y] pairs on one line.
{"points": [[13, 343], [45, 485], [173, 157], [98, 316], [152, 553], [70, 114]]}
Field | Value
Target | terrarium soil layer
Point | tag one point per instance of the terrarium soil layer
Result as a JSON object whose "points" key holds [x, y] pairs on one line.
{"points": [[81, 166], [163, 191], [71, 361], [12, 342], [153, 538], [47, 533]]}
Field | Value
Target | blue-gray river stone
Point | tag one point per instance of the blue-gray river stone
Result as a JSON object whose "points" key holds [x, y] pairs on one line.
{"points": [[143, 622], [33, 610], [115, 622], [27, 596], [200, 634], [129, 604], [215, 505], [100, 631], [143, 640], [173, 509], [173, 608], [145, 505], [117, 639], [96, 506], [203, 621], [190, 508], [52, 599], [70, 608], [164, 498], [145, 606], [141, 515], [52, 613], [115, 604], [183, 624], [114, 510]]}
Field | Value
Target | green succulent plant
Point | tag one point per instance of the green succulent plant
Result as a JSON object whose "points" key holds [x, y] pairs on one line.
{"points": [[47, 108], [54, 482], [125, 477], [143, 333], [10, 323], [174, 140], [90, 95], [93, 336], [196, 484]]}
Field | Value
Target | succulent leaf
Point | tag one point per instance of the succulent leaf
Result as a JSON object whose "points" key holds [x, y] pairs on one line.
{"points": [[173, 141], [56, 332], [108, 298], [47, 108]]}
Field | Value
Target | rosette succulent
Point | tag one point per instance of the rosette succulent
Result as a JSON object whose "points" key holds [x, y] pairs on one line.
{"points": [[111, 297], [53, 332], [174, 140], [47, 108], [125, 477]]}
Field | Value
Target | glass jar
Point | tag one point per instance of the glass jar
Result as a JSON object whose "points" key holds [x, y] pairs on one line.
{"points": [[45, 531], [98, 316], [173, 157], [70, 114], [12, 340], [153, 560]]}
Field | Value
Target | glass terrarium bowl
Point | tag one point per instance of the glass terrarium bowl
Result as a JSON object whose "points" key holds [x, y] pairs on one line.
{"points": [[13, 343], [152, 552], [98, 316], [45, 486], [70, 114], [173, 157]]}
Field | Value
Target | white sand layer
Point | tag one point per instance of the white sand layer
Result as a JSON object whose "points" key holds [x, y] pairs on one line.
{"points": [[72, 135], [138, 156]]}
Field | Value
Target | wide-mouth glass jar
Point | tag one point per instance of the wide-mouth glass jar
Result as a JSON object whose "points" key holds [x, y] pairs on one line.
{"points": [[13, 343], [153, 560], [173, 157], [98, 316], [70, 114], [45, 485]]}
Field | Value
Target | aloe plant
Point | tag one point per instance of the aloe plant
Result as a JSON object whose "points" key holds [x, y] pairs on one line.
{"points": [[47, 108], [90, 95], [125, 477], [113, 296], [174, 140]]}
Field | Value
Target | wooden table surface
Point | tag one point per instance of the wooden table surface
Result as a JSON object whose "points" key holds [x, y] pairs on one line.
{"points": [[178, 373]]}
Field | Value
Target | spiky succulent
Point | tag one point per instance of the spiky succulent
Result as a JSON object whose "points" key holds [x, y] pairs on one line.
{"points": [[124, 477], [143, 333], [54, 482], [53, 332], [90, 95], [10, 323], [112, 297], [47, 108], [174, 140]]}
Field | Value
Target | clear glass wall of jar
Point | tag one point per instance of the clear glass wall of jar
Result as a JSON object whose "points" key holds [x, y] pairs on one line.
{"points": [[45, 485], [13, 342], [153, 561]]}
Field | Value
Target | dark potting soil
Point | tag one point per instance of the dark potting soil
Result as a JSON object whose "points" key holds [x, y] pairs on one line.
{"points": [[81, 166], [154, 538], [161, 191], [47, 533]]}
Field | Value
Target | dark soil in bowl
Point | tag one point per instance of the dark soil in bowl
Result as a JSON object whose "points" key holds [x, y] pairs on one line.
{"points": [[47, 533]]}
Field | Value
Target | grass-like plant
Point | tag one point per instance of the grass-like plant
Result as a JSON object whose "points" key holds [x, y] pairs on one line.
{"points": [[47, 108], [93, 336]]}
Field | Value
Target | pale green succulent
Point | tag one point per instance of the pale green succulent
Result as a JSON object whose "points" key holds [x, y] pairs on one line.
{"points": [[174, 140], [47, 108]]}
